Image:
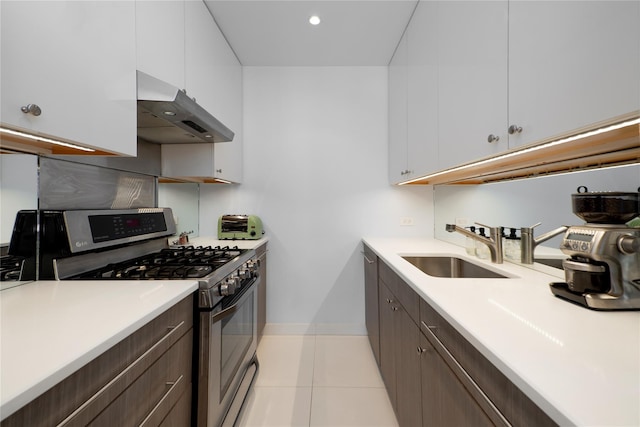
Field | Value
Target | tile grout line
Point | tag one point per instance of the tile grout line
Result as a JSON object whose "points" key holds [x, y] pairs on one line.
{"points": [[313, 376]]}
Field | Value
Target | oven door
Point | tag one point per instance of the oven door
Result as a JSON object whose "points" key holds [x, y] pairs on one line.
{"points": [[227, 365]]}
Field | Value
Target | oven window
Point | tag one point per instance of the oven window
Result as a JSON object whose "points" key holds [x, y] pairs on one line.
{"points": [[237, 335]]}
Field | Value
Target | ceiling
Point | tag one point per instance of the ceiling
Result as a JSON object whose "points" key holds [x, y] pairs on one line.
{"points": [[278, 33]]}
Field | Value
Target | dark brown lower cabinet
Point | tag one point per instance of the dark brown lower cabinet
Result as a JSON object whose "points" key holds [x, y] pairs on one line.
{"points": [[409, 384], [371, 300], [435, 377], [145, 380], [399, 357], [388, 341], [261, 253]]}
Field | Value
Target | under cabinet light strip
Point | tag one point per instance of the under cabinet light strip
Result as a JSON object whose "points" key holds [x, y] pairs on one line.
{"points": [[529, 150], [43, 139]]}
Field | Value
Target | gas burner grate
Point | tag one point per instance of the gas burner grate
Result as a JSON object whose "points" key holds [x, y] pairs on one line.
{"points": [[170, 263], [10, 267]]}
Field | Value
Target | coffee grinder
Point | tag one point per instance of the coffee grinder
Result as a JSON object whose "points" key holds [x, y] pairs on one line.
{"points": [[603, 271]]}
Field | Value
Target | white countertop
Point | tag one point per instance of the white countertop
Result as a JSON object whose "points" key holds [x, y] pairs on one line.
{"points": [[50, 329], [580, 366]]}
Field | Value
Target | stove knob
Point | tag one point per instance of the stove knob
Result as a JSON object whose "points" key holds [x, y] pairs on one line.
{"points": [[253, 265], [229, 286], [223, 289], [244, 273]]}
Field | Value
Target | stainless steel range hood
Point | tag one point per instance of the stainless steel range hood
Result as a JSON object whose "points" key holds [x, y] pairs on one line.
{"points": [[166, 115]]}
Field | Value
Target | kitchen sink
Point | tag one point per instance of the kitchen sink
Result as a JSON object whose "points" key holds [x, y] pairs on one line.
{"points": [[453, 267], [551, 262]]}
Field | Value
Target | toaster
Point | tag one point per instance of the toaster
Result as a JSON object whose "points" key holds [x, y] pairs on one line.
{"points": [[239, 227]]}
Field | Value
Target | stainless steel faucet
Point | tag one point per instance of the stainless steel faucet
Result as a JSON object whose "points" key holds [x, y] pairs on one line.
{"points": [[528, 243], [494, 241]]}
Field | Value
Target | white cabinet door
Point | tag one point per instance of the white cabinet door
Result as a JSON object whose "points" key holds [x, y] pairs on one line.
{"points": [[214, 75], [398, 113], [571, 64], [76, 61], [160, 40], [422, 94], [187, 161], [472, 82]]}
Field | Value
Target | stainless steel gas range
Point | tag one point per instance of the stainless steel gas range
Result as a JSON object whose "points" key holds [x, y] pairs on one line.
{"points": [[132, 245]]}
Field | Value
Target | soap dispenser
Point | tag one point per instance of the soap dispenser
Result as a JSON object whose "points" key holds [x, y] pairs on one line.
{"points": [[482, 250], [512, 246], [470, 244]]}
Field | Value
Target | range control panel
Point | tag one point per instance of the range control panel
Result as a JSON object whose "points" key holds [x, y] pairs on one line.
{"points": [[112, 227]]}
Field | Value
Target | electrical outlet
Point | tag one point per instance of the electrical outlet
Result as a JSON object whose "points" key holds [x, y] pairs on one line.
{"points": [[406, 220], [463, 222]]}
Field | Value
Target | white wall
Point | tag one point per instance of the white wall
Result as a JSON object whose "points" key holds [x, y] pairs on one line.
{"points": [[315, 144]]}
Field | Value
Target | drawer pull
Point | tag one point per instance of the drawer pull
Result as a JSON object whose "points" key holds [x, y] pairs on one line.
{"points": [[431, 328], [172, 387], [135, 366], [366, 257]]}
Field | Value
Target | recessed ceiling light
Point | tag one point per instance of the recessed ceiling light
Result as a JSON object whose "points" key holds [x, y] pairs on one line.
{"points": [[314, 20]]}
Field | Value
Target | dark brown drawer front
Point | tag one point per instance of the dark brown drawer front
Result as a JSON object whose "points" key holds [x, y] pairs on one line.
{"points": [[403, 292], [409, 300], [514, 405], [150, 398], [63, 399], [429, 316], [388, 276]]}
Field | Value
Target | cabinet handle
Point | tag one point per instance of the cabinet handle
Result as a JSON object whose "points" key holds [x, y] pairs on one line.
{"points": [[32, 109], [394, 308], [366, 257], [218, 170], [493, 138], [514, 129], [421, 350], [172, 385]]}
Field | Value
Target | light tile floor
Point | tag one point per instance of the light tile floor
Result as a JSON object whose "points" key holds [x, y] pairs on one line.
{"points": [[317, 381]]}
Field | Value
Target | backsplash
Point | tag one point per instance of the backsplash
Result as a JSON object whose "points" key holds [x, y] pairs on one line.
{"points": [[68, 185], [524, 203]]}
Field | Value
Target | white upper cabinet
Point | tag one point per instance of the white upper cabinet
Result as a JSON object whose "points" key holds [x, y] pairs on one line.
{"points": [[472, 80], [422, 96], [398, 113], [571, 64], [214, 76], [76, 61], [509, 73], [160, 39]]}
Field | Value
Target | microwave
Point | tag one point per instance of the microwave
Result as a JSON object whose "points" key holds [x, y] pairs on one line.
{"points": [[240, 227]]}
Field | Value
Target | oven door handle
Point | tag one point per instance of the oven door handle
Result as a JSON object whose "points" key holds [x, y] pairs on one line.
{"points": [[247, 293]]}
